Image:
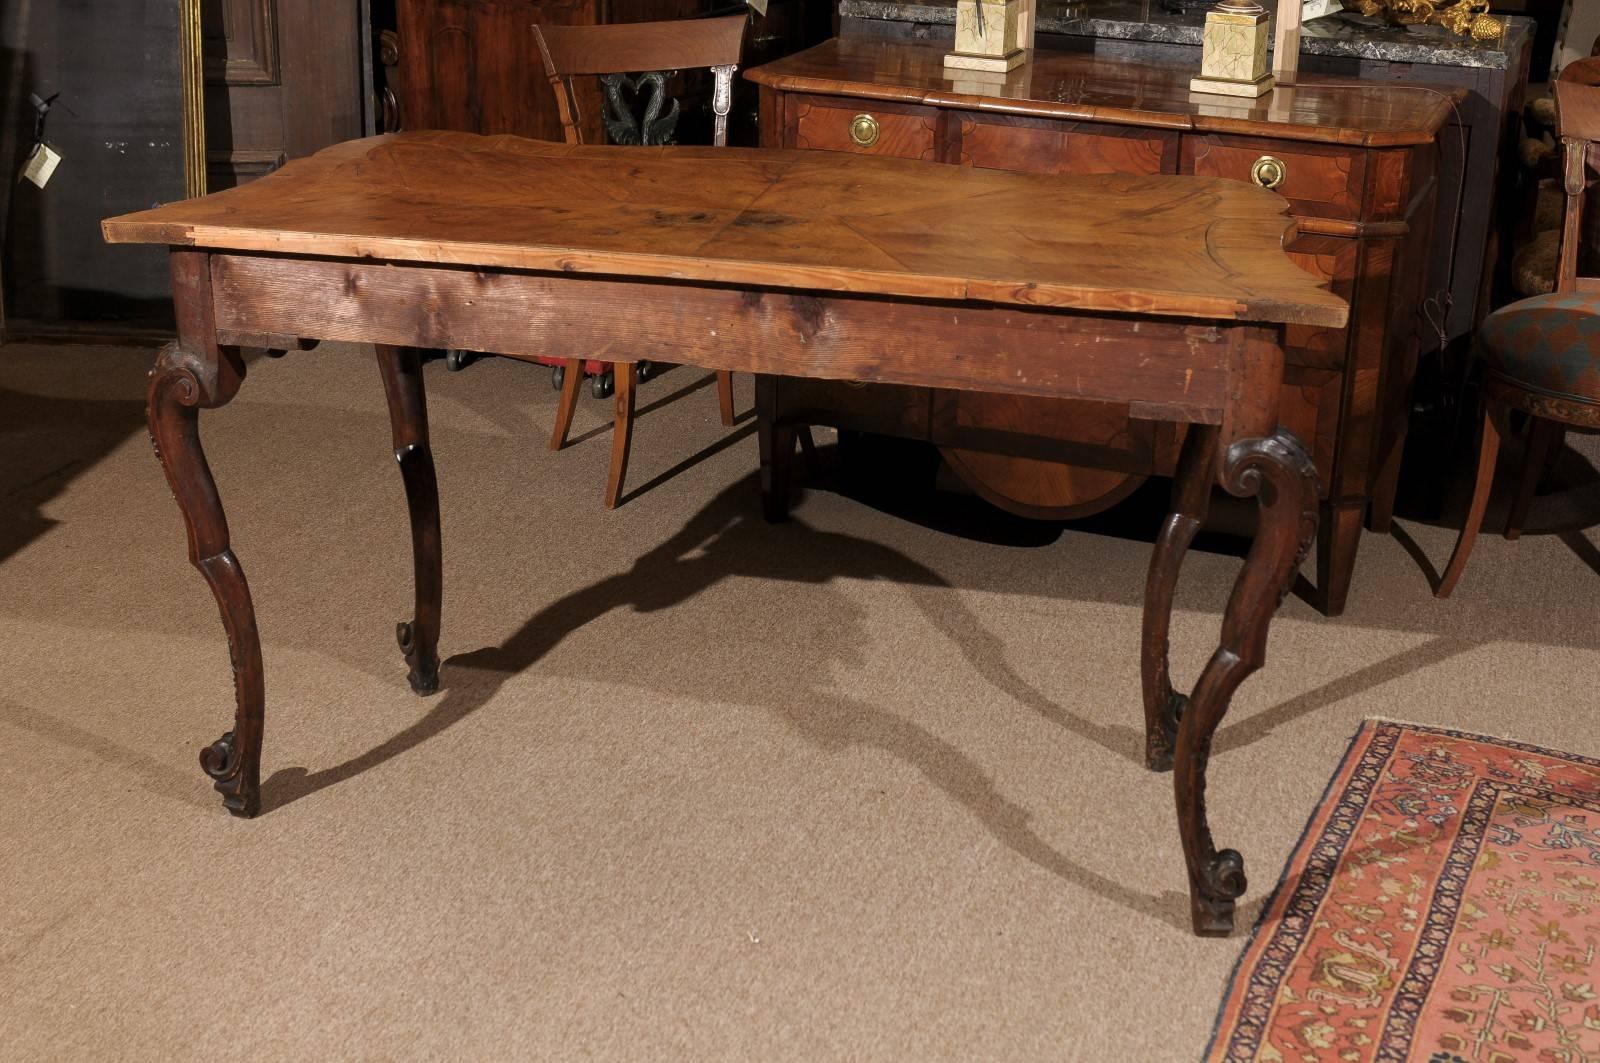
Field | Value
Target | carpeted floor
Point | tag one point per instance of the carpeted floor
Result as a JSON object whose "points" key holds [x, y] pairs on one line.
{"points": [[696, 788]]}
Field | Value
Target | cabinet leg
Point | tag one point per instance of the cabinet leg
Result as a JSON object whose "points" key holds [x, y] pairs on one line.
{"points": [[190, 375], [1191, 497], [1280, 474], [1337, 541], [401, 369]]}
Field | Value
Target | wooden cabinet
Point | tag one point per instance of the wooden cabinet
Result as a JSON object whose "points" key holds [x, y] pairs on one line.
{"points": [[1356, 161], [284, 79], [472, 65]]}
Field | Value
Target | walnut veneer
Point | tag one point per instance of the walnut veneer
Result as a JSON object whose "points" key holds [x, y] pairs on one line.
{"points": [[1356, 161]]}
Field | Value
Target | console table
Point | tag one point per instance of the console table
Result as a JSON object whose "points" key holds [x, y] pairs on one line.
{"points": [[1357, 161], [1172, 299]]}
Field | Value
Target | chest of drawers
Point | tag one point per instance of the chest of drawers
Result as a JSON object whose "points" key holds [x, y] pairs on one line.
{"points": [[1357, 162]]}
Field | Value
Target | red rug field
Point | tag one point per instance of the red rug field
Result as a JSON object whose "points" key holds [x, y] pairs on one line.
{"points": [[1443, 906]]}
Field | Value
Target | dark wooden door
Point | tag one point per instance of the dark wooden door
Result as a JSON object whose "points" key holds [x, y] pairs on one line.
{"points": [[283, 79]]}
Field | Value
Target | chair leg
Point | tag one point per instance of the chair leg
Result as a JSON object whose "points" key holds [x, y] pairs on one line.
{"points": [[627, 374], [725, 396], [1488, 452], [567, 404], [1544, 439]]}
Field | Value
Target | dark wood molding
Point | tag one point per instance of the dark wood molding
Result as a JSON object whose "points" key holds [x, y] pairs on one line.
{"points": [[244, 49]]}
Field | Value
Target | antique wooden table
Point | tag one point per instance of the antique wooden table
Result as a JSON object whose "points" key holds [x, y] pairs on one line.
{"points": [[1171, 296]]}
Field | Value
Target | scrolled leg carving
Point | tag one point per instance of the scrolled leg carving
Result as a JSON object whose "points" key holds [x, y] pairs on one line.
{"points": [[1191, 496], [401, 368], [1279, 473], [183, 381]]}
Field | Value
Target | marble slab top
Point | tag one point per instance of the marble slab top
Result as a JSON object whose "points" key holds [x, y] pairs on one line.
{"points": [[1346, 35]]}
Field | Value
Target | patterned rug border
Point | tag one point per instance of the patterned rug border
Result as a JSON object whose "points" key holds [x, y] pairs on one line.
{"points": [[1375, 726]]}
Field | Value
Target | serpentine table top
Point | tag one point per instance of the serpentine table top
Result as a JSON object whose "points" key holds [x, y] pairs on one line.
{"points": [[791, 219], [1168, 294]]}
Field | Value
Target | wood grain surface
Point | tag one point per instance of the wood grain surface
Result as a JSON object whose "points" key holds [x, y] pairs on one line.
{"points": [[1152, 245]]}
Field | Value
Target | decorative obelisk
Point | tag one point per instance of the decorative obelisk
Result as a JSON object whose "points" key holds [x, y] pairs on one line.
{"points": [[1234, 60], [991, 35]]}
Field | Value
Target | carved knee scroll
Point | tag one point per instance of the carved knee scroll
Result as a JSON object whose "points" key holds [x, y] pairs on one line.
{"points": [[1279, 473]]}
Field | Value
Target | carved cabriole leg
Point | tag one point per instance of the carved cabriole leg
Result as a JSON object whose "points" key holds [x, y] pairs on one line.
{"points": [[1279, 472], [1191, 497], [401, 368], [192, 374]]}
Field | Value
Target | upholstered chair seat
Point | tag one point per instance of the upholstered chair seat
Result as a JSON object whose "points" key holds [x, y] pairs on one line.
{"points": [[1549, 344], [1542, 355]]}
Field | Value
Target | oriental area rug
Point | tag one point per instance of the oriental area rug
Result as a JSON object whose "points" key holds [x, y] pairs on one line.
{"points": [[1443, 905]]}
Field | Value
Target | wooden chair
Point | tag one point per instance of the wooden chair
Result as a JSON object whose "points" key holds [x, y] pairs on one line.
{"points": [[648, 50], [1542, 355]]}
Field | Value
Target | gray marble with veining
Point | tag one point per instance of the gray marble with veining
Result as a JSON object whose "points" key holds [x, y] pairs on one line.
{"points": [[1346, 35]]}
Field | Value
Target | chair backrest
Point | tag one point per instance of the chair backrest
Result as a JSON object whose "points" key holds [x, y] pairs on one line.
{"points": [[1578, 125], [645, 48]]}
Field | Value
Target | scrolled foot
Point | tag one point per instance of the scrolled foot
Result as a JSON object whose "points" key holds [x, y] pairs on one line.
{"points": [[1161, 743], [238, 783], [1222, 881], [424, 674]]}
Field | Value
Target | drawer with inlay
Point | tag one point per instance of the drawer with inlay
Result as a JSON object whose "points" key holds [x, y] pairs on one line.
{"points": [[868, 127], [1318, 180]]}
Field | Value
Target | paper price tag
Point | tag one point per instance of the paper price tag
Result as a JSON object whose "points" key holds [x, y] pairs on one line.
{"points": [[41, 165]]}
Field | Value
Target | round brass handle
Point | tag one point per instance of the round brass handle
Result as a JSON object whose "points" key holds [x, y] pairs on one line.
{"points": [[1269, 171], [864, 130]]}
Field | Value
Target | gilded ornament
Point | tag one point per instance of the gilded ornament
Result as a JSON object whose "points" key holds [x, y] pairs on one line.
{"points": [[1464, 18]]}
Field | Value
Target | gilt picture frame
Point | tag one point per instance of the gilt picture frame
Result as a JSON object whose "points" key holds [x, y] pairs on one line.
{"points": [[194, 100]]}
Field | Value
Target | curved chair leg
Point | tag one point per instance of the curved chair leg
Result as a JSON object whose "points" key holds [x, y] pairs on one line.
{"points": [[401, 369], [567, 403], [1191, 497], [1280, 474], [725, 396], [1544, 439], [1488, 453], [627, 376], [190, 375]]}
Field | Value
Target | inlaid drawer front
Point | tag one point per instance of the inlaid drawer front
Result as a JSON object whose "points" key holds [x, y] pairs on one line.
{"points": [[1035, 145], [1319, 181], [1332, 260], [866, 127]]}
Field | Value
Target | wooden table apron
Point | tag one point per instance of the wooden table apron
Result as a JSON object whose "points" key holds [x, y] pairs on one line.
{"points": [[1219, 377]]}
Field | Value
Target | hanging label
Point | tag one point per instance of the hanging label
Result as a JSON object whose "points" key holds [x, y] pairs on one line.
{"points": [[41, 165]]}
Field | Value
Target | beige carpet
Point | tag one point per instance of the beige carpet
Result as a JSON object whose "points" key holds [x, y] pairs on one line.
{"points": [[695, 788]]}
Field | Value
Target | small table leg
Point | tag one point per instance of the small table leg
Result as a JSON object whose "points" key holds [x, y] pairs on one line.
{"points": [[1279, 473], [777, 452], [190, 375], [401, 368]]}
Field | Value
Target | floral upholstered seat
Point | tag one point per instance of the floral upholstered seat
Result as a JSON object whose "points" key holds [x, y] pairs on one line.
{"points": [[1549, 344]]}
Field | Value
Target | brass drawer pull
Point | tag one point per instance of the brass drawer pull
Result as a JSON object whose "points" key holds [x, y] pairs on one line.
{"points": [[1269, 171], [864, 130]]}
